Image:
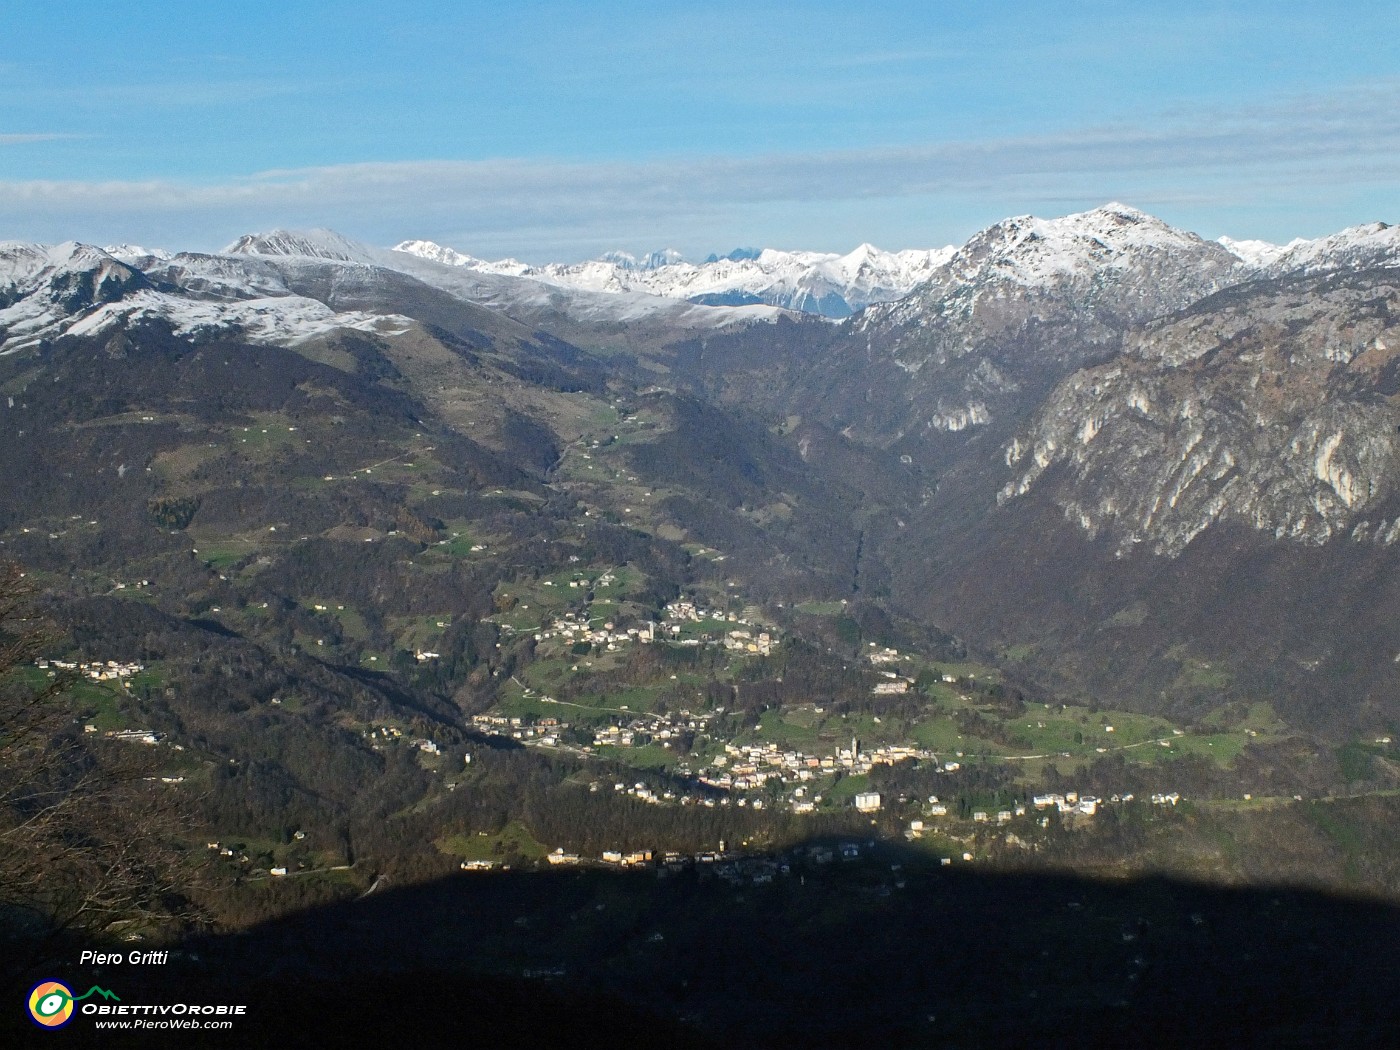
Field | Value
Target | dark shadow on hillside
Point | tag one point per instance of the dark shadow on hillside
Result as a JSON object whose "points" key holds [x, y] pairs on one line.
{"points": [[848, 953]]}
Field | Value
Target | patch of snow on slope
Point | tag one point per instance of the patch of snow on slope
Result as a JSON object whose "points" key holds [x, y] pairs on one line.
{"points": [[311, 244], [283, 320]]}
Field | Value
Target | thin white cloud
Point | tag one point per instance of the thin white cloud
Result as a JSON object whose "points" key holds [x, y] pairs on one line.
{"points": [[24, 138], [1346, 138]]}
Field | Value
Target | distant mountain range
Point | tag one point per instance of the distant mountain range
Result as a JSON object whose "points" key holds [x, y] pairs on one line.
{"points": [[812, 282]]}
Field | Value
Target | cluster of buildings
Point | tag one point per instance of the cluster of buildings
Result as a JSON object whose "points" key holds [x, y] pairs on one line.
{"points": [[882, 658], [611, 857], [97, 670], [744, 636], [384, 733], [662, 729], [576, 627], [896, 684], [543, 731], [741, 768], [387, 734], [1073, 802], [732, 868], [1070, 804], [666, 862], [130, 736], [1003, 816], [746, 767]]}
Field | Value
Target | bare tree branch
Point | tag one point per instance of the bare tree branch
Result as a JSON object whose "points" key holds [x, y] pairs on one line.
{"points": [[86, 834]]}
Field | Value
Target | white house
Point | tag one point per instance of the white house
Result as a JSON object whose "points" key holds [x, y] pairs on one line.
{"points": [[868, 801]]}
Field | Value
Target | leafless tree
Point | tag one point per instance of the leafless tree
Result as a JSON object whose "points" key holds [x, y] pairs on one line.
{"points": [[86, 834]]}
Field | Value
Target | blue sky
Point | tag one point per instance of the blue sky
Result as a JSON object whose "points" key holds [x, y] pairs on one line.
{"points": [[559, 130]]}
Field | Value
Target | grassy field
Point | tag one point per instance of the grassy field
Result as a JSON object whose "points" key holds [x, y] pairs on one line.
{"points": [[223, 552], [513, 838], [815, 608], [418, 632]]}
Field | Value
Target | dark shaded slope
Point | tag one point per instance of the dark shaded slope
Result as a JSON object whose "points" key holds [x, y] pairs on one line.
{"points": [[853, 956]]}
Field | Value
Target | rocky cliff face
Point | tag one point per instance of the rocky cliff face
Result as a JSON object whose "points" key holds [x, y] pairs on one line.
{"points": [[1273, 406]]}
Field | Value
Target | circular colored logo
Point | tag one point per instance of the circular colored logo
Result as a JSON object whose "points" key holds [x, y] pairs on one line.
{"points": [[51, 1004]]}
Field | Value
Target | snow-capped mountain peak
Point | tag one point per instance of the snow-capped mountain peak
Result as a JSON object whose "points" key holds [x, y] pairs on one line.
{"points": [[1256, 253], [22, 264], [437, 253], [1357, 247], [1040, 252], [134, 253], [311, 244], [41, 286], [1085, 275]]}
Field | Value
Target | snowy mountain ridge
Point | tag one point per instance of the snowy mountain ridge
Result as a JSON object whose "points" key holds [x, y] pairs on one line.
{"points": [[1114, 252], [814, 282], [47, 292]]}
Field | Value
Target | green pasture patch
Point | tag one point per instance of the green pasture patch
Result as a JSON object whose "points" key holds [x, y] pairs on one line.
{"points": [[515, 837], [178, 463], [981, 674], [224, 552], [649, 756], [600, 416], [546, 673], [532, 708], [352, 623], [866, 729], [820, 608], [708, 628], [1046, 733], [265, 437], [1222, 748], [803, 716], [943, 736], [27, 676], [1198, 674], [100, 704], [634, 699], [459, 539], [805, 736], [846, 789], [153, 677], [1264, 720], [418, 632]]}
